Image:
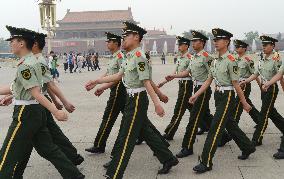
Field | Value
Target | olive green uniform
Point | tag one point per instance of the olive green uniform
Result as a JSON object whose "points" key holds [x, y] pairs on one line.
{"points": [[184, 93], [224, 70], [115, 104], [246, 69], [135, 121], [29, 126], [266, 69], [199, 70], [56, 133]]}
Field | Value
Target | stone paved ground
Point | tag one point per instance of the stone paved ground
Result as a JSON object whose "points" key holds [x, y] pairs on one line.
{"points": [[84, 123]]}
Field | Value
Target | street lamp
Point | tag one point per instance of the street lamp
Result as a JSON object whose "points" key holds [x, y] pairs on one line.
{"points": [[47, 9]]}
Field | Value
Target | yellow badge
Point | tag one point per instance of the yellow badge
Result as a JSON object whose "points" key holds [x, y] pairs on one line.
{"points": [[43, 70], [235, 69], [141, 66], [26, 74]]}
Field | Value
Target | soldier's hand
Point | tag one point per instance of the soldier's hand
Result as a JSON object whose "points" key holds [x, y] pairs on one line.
{"points": [[192, 99], [247, 107], [159, 110], [99, 92], [160, 85], [69, 107], [6, 100], [265, 87], [242, 83], [58, 105], [61, 115], [169, 78], [164, 98], [90, 85]]}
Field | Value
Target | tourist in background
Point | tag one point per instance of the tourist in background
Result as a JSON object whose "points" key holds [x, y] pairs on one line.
{"points": [[96, 62], [163, 58], [54, 65], [65, 62]]}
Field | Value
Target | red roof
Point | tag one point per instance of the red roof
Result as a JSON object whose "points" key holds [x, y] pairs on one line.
{"points": [[97, 16]]}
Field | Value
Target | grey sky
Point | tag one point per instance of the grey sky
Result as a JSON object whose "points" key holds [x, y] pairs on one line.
{"points": [[236, 16]]}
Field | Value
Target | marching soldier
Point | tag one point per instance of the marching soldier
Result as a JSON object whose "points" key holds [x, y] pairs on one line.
{"points": [[198, 69], [246, 69], [136, 77], [185, 88], [265, 87], [266, 69], [56, 133], [29, 117], [117, 98], [224, 71]]}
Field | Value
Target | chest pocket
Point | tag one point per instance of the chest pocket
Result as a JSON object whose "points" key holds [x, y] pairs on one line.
{"points": [[242, 65], [197, 67], [113, 64], [130, 66]]}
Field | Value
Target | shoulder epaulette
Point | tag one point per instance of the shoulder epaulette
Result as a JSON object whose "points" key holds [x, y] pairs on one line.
{"points": [[119, 56], [205, 54], [138, 54], [231, 57]]}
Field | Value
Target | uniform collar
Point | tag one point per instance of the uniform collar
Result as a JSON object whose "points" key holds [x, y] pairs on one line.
{"points": [[38, 55], [184, 55], [116, 53], [199, 53], [132, 52], [224, 55], [269, 57], [23, 59]]}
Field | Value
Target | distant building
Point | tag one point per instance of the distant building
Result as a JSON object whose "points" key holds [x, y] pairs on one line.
{"points": [[85, 32]]}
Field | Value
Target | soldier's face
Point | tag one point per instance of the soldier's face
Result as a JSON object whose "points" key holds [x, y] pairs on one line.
{"points": [[197, 44], [16, 45], [35, 48], [111, 45], [182, 47], [240, 50], [130, 40], [267, 48], [221, 44]]}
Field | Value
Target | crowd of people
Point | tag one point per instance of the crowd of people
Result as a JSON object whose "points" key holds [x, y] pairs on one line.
{"points": [[76, 62]]}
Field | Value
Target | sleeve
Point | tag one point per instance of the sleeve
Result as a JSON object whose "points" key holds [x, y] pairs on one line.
{"points": [[122, 67], [27, 77], [143, 68], [251, 66], [233, 70], [46, 74], [278, 64], [207, 62], [256, 70], [281, 69], [210, 75], [188, 68]]}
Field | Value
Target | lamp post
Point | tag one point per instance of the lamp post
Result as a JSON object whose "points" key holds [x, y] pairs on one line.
{"points": [[47, 9]]}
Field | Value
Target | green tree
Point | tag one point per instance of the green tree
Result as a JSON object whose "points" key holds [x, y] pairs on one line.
{"points": [[250, 36]]}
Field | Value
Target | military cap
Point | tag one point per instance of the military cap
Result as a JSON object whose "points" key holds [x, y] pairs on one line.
{"points": [[221, 34], [198, 36], [130, 27], [112, 37], [183, 40], [39, 36], [240, 43], [19, 32], [268, 40]]}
